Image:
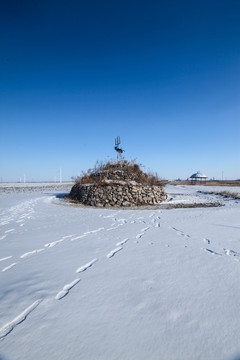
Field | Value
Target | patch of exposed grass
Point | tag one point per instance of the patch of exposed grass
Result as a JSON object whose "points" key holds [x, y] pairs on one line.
{"points": [[208, 182], [226, 194]]}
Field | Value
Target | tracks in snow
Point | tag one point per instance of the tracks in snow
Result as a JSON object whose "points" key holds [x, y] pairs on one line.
{"points": [[86, 266], [140, 235], [18, 215], [114, 251], [73, 237], [6, 258], [228, 252], [212, 252], [9, 267], [7, 328], [31, 253], [179, 232], [120, 243], [153, 223], [66, 289]]}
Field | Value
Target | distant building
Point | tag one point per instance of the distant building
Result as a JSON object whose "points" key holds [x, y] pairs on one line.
{"points": [[198, 178]]}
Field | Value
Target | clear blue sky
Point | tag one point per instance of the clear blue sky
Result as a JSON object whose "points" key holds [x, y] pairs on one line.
{"points": [[163, 75]]}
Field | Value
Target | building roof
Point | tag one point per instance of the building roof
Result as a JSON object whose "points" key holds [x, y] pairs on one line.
{"points": [[198, 175]]}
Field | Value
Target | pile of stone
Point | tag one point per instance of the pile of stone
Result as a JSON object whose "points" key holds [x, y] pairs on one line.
{"points": [[117, 185], [117, 195]]}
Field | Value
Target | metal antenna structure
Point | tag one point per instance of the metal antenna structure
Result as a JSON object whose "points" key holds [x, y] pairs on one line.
{"points": [[117, 148]]}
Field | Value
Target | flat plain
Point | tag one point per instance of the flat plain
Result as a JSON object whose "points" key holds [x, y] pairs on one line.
{"points": [[149, 283]]}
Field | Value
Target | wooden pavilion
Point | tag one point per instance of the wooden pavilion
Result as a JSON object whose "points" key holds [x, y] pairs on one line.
{"points": [[198, 178]]}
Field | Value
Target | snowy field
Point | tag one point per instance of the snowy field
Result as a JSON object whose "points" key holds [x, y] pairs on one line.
{"points": [[91, 284]]}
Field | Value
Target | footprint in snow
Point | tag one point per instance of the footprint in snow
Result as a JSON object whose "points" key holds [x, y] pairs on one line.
{"points": [[179, 232], [67, 236], [6, 258], [122, 220], [112, 228], [113, 252], [8, 231], [231, 253], [145, 229], [212, 252], [31, 253], [122, 242], [78, 237], [7, 328], [206, 241], [139, 235], [9, 267], [66, 289], [86, 266], [93, 231], [52, 244]]}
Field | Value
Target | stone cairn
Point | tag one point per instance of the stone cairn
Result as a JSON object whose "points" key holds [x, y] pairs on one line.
{"points": [[120, 184]]}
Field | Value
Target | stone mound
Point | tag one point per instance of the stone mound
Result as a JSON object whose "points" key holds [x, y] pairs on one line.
{"points": [[117, 185]]}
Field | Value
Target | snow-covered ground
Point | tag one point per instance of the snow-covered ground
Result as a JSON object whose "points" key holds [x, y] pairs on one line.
{"points": [[192, 194], [85, 283]]}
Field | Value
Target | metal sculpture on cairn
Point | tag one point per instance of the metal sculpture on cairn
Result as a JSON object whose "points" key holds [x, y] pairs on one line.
{"points": [[117, 148]]}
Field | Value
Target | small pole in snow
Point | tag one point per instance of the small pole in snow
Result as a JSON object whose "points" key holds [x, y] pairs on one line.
{"points": [[60, 175], [24, 178]]}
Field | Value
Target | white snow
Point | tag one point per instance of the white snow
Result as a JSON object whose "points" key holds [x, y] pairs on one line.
{"points": [[153, 283]]}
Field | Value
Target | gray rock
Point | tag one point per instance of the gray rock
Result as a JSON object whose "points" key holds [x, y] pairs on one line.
{"points": [[117, 195]]}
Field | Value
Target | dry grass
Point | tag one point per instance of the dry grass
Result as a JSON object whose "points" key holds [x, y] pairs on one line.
{"points": [[122, 169], [224, 183], [226, 194], [209, 183]]}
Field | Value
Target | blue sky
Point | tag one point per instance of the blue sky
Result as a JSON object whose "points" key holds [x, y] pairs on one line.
{"points": [[163, 75]]}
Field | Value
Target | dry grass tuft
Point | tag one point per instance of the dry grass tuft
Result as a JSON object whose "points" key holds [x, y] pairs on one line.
{"points": [[115, 171], [226, 194], [208, 182]]}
